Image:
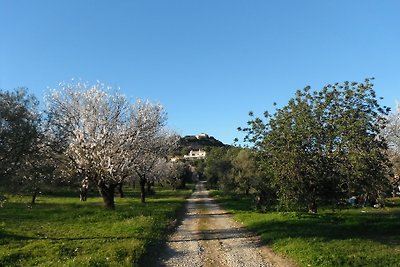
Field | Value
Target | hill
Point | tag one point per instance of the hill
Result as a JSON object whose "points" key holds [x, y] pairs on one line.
{"points": [[196, 142]]}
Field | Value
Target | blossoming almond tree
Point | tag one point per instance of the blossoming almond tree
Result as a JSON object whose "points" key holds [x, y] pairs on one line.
{"points": [[153, 141], [392, 134], [103, 134]]}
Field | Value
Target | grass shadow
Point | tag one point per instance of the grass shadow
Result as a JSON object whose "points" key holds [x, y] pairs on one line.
{"points": [[382, 227]]}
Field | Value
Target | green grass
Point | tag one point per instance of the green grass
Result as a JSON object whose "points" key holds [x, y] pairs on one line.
{"points": [[61, 231], [351, 237]]}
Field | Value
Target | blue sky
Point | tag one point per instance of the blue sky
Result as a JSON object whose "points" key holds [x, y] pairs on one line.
{"points": [[208, 62]]}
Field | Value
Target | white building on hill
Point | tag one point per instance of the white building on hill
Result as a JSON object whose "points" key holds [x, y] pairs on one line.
{"points": [[201, 136], [196, 154]]}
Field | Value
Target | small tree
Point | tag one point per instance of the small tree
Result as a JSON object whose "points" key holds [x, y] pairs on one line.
{"points": [[245, 171], [152, 141], [218, 167], [38, 169], [177, 174], [158, 173]]}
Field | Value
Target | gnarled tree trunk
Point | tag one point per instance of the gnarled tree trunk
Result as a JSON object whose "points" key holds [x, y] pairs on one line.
{"points": [[312, 207], [107, 193], [142, 189], [150, 190], [120, 191], [34, 195]]}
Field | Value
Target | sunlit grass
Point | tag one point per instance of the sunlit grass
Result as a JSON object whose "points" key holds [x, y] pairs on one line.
{"points": [[61, 231], [351, 237]]}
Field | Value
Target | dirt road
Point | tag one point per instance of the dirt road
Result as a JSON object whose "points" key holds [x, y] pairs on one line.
{"points": [[208, 236]]}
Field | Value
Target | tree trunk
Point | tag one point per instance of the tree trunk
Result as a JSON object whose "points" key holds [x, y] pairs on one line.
{"points": [[183, 183], [312, 207], [107, 193], [83, 194], [142, 190], [149, 190], [121, 193], [34, 195]]}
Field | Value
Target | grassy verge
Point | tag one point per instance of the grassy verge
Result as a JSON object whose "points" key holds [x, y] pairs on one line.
{"points": [[61, 231], [351, 237]]}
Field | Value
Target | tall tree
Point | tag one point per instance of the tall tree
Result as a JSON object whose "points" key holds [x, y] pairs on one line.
{"points": [[103, 137], [324, 145], [19, 131], [91, 120], [152, 142]]}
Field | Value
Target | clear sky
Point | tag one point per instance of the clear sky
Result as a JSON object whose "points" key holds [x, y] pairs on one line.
{"points": [[208, 62]]}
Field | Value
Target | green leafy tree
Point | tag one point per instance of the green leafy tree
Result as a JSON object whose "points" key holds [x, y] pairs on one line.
{"points": [[324, 145], [245, 171], [218, 168], [19, 134], [199, 167]]}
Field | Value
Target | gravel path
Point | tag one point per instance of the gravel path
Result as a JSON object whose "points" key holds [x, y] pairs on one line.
{"points": [[208, 236]]}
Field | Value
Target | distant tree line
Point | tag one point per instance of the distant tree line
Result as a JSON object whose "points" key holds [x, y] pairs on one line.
{"points": [[322, 148]]}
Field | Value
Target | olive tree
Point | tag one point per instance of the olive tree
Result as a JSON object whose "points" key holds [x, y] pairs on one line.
{"points": [[19, 130], [23, 163], [218, 169], [245, 171]]}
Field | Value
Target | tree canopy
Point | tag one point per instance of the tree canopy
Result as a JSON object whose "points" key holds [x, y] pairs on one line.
{"points": [[324, 145], [19, 131], [103, 137]]}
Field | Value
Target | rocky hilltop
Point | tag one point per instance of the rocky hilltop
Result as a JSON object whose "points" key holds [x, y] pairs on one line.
{"points": [[196, 142]]}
